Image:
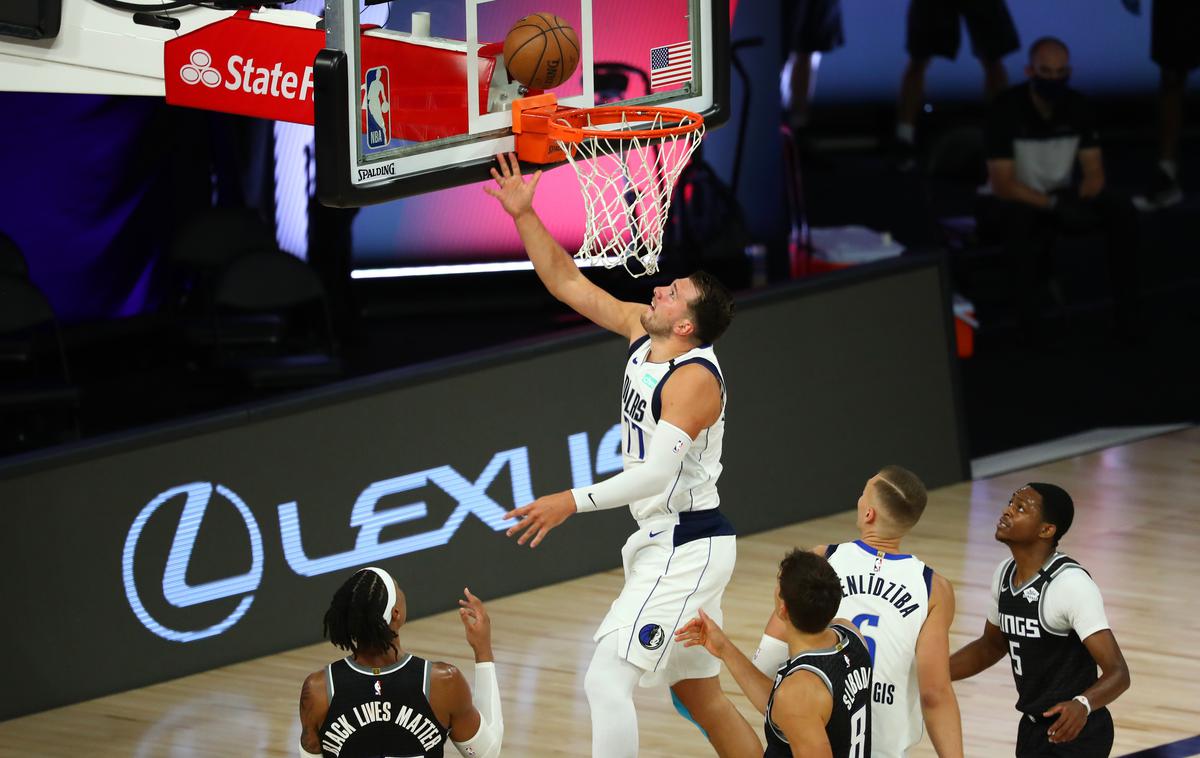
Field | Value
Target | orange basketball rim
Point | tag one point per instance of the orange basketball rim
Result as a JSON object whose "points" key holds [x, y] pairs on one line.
{"points": [[627, 172]]}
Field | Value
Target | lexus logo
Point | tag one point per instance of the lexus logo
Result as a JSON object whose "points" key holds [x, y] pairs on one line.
{"points": [[176, 590]]}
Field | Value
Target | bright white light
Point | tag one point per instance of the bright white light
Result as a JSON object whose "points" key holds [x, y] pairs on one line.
{"points": [[448, 269]]}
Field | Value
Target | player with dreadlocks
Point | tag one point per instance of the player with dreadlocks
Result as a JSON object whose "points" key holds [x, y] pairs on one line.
{"points": [[381, 700]]}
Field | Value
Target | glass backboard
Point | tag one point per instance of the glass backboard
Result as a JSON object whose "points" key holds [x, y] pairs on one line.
{"points": [[424, 101]]}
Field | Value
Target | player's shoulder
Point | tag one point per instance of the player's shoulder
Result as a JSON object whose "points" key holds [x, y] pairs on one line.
{"points": [[314, 693], [849, 628], [801, 689], [315, 680], [938, 584], [447, 681], [443, 671], [1066, 572], [692, 377]]}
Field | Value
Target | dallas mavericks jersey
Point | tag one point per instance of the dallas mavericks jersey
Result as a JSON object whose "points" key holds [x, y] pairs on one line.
{"points": [[694, 487], [1049, 665], [378, 712], [846, 670], [886, 595]]}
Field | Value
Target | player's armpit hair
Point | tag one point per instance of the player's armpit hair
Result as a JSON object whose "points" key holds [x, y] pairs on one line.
{"points": [[663, 459], [488, 739]]}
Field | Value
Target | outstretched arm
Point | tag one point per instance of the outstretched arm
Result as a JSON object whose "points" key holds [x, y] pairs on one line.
{"points": [[691, 403], [939, 705], [702, 630], [553, 265], [979, 655]]}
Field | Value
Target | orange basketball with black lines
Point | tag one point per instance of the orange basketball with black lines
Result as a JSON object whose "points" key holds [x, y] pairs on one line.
{"points": [[541, 51]]}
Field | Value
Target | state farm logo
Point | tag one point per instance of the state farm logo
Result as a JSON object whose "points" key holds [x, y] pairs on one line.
{"points": [[243, 75], [200, 70]]}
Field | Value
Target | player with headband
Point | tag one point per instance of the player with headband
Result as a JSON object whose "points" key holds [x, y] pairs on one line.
{"points": [[381, 700]]}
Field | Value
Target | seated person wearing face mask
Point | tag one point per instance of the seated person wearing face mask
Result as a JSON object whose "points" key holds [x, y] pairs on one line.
{"points": [[1036, 133]]}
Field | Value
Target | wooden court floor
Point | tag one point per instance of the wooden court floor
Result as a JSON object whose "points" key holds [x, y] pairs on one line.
{"points": [[1137, 529]]}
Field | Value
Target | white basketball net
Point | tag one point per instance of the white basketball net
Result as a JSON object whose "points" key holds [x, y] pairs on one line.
{"points": [[627, 185]]}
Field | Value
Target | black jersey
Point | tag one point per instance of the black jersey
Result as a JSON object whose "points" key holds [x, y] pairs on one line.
{"points": [[380, 712], [846, 670], [1049, 665]]}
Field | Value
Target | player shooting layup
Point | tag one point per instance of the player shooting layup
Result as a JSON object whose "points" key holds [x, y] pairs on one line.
{"points": [[682, 555]]}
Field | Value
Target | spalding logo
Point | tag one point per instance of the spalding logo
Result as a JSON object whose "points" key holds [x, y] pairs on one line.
{"points": [[651, 636]]}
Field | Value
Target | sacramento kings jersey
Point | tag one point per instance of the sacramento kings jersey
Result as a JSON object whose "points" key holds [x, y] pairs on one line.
{"points": [[380, 712], [886, 595], [846, 670], [1049, 665], [694, 488]]}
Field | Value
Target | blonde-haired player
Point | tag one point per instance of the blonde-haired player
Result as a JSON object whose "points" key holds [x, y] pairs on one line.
{"points": [[904, 611]]}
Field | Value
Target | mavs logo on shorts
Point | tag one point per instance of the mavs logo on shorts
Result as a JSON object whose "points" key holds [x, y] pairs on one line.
{"points": [[651, 636], [377, 102]]}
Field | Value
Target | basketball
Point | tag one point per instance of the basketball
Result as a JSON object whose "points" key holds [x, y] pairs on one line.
{"points": [[541, 51]]}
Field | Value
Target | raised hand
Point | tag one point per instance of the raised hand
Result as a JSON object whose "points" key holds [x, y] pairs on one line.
{"points": [[702, 630], [513, 192], [477, 625], [540, 516]]}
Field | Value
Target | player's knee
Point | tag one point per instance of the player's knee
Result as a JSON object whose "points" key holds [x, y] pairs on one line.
{"points": [[601, 688]]}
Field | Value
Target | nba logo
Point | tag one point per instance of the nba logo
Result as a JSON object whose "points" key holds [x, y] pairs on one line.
{"points": [[377, 103]]}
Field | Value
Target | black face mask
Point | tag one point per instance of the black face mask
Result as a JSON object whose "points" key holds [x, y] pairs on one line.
{"points": [[1050, 90]]}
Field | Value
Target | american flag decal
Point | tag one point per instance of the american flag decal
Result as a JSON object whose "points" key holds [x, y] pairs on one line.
{"points": [[670, 64]]}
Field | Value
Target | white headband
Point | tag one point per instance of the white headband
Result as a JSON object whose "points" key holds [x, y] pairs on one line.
{"points": [[390, 584]]}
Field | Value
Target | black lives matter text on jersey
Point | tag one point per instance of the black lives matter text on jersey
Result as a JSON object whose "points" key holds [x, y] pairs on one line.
{"points": [[341, 729]]}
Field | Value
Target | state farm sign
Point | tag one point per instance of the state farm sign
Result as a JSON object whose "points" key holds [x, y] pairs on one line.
{"points": [[243, 66], [256, 68], [244, 75]]}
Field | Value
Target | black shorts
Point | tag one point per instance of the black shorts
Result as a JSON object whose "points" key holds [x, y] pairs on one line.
{"points": [[1095, 740], [1173, 29], [933, 28], [816, 26]]}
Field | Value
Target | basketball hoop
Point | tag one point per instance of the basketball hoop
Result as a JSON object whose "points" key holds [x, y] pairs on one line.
{"points": [[627, 160]]}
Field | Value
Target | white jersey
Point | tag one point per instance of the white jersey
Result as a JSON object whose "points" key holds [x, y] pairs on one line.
{"points": [[886, 595], [694, 488]]}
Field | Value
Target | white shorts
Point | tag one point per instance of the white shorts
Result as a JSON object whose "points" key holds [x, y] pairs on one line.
{"points": [[674, 565]]}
